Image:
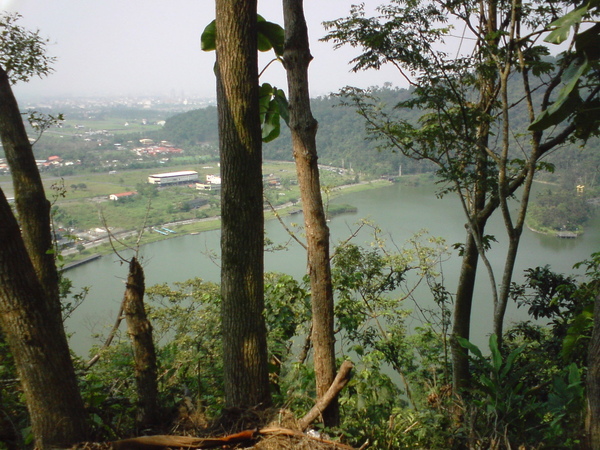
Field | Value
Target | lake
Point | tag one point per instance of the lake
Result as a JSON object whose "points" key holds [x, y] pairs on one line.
{"points": [[400, 211]]}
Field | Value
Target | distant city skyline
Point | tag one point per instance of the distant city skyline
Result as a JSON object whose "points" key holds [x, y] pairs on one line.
{"points": [[136, 48]]}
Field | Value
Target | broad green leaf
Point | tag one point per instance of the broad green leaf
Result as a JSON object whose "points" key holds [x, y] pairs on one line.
{"points": [[568, 97], [489, 384], [574, 375], [208, 40], [496, 356], [271, 126], [270, 36], [469, 346], [554, 116], [265, 93], [564, 25], [283, 105], [571, 77], [272, 107], [580, 324], [510, 359]]}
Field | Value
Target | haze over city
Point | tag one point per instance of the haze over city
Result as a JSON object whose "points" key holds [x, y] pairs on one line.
{"points": [[113, 48]]}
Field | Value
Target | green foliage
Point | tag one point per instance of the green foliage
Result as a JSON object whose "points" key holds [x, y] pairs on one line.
{"points": [[568, 100], [186, 324], [566, 304], [273, 104], [287, 314], [580, 78], [186, 321], [508, 406], [369, 319], [147, 190], [372, 287], [565, 408], [502, 407], [22, 52], [107, 391]]}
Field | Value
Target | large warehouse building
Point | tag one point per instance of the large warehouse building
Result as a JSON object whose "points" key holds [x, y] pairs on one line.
{"points": [[163, 179]]}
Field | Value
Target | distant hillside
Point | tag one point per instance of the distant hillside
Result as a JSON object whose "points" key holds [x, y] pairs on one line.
{"points": [[340, 139]]}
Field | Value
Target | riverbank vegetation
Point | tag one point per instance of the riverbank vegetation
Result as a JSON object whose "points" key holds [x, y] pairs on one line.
{"points": [[554, 211]]}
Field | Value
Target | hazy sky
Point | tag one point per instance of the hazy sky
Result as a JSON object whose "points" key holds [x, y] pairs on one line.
{"points": [[137, 47]]}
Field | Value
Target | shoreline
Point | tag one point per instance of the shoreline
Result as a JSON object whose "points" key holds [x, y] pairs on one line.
{"points": [[207, 224], [572, 234]]}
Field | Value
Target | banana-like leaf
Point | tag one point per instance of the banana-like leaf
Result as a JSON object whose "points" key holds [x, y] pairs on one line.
{"points": [[568, 98], [562, 27]]}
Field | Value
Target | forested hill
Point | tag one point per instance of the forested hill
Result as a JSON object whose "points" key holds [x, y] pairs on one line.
{"points": [[340, 138]]}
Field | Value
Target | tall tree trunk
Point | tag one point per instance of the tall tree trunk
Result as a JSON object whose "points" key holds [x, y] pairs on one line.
{"points": [[144, 354], [593, 382], [303, 127], [242, 229], [38, 343], [32, 206]]}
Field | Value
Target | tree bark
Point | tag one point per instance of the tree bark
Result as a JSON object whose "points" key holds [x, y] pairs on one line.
{"points": [[461, 326], [303, 127], [593, 382], [38, 343], [242, 229], [144, 354], [32, 206]]}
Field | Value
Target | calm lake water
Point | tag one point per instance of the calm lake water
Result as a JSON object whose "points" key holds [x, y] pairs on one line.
{"points": [[400, 212]]}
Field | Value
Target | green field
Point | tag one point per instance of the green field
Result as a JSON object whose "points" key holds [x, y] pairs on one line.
{"points": [[82, 208], [111, 125]]}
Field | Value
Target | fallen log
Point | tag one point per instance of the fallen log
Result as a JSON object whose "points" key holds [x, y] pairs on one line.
{"points": [[162, 442]]}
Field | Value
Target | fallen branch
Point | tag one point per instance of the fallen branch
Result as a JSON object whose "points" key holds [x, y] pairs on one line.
{"points": [[341, 379], [109, 339], [188, 442], [163, 441]]}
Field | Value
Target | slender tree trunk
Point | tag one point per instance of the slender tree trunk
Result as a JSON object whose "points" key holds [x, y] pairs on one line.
{"points": [[303, 127], [593, 382], [478, 220], [140, 333], [38, 343], [242, 229], [461, 326]]}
